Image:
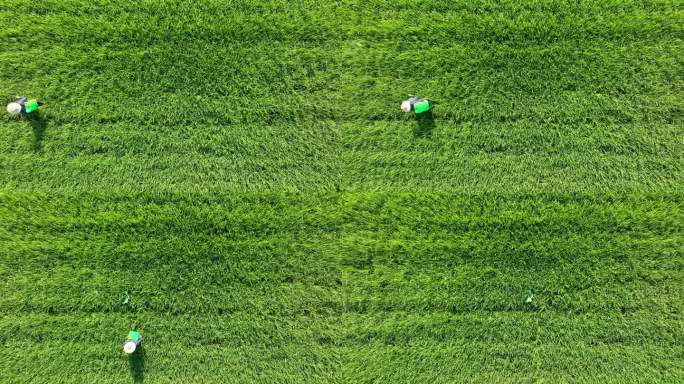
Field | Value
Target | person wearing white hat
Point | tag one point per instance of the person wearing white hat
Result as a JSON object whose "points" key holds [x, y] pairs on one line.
{"points": [[23, 105], [416, 104], [129, 347], [133, 340], [14, 109]]}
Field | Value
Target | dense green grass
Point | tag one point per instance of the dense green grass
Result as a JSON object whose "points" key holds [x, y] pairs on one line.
{"points": [[343, 288], [299, 96], [242, 169]]}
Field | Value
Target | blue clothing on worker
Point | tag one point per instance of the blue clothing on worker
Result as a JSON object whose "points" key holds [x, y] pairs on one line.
{"points": [[22, 101]]}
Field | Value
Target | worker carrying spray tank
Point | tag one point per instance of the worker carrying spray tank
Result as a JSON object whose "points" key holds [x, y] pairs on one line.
{"points": [[23, 106], [133, 340], [416, 104]]}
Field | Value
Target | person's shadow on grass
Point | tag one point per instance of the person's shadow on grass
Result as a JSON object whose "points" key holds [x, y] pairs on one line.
{"points": [[136, 363], [38, 123], [425, 123]]}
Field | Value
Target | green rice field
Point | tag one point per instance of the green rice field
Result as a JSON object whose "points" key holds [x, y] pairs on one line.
{"points": [[237, 177]]}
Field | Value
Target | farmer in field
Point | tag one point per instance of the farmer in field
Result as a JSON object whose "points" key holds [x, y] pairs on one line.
{"points": [[23, 106], [416, 104], [133, 340]]}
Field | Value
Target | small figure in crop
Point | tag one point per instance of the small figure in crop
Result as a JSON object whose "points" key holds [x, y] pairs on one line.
{"points": [[416, 104], [133, 340], [23, 106]]}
